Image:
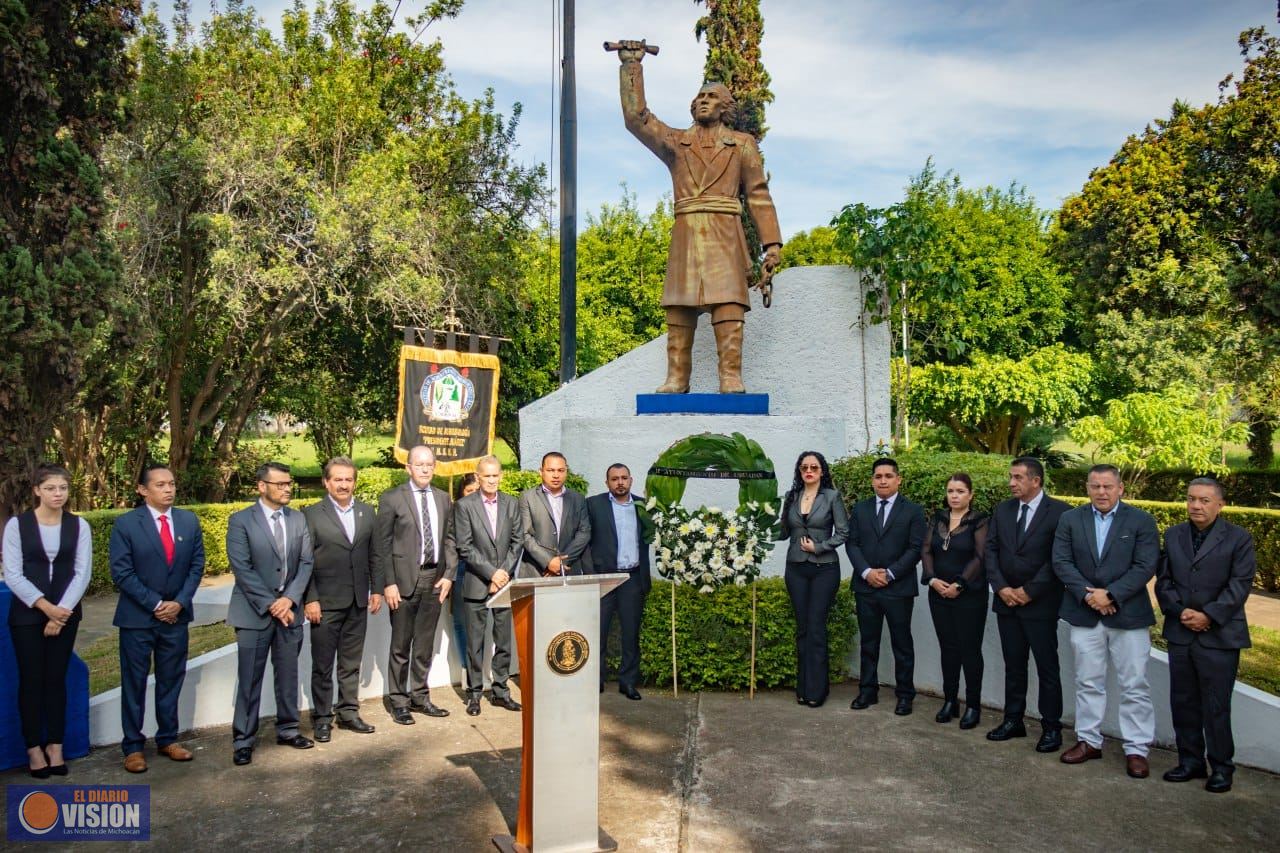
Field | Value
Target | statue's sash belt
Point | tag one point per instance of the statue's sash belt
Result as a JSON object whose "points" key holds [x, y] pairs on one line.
{"points": [[709, 204]]}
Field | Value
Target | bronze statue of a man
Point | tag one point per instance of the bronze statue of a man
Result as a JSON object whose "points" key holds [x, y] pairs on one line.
{"points": [[712, 167]]}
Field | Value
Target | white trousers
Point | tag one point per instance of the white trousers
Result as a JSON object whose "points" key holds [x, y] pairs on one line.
{"points": [[1128, 650]]}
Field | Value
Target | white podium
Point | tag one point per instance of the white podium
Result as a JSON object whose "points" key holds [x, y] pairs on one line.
{"points": [[556, 622]]}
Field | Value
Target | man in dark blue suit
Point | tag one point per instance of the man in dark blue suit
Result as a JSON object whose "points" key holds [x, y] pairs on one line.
{"points": [[157, 559], [886, 534]]}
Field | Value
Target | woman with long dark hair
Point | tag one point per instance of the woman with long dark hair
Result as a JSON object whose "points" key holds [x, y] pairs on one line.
{"points": [[816, 523], [47, 555], [953, 572]]}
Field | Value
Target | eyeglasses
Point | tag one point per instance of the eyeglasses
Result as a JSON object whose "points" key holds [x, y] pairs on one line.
{"points": [[810, 467], [281, 484]]}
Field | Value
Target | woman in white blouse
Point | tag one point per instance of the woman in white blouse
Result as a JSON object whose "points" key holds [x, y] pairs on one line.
{"points": [[47, 558]]}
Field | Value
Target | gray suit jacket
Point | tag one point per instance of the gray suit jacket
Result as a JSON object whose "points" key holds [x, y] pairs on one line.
{"points": [[344, 571], [483, 553], [828, 527], [1127, 563], [540, 540], [397, 538], [252, 554], [1215, 580]]}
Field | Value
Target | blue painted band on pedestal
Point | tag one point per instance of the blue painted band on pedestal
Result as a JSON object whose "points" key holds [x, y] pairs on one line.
{"points": [[702, 404]]}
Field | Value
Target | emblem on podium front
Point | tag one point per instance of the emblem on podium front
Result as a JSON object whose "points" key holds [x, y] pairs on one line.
{"points": [[568, 652]]}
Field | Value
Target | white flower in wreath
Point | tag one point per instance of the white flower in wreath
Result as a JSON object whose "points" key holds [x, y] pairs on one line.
{"points": [[712, 531], [752, 541], [740, 563], [705, 588], [715, 563], [768, 508], [665, 553], [695, 524], [708, 577], [651, 503], [731, 531], [684, 529], [715, 510], [677, 565]]}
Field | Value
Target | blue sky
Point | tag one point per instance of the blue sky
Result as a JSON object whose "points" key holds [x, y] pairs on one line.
{"points": [[1033, 91]]}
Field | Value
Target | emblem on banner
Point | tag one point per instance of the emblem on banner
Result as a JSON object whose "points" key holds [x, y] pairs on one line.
{"points": [[448, 395], [568, 652]]}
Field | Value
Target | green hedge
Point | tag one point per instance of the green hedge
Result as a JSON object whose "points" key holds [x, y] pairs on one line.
{"points": [[713, 636], [925, 474], [1264, 524], [1244, 488]]}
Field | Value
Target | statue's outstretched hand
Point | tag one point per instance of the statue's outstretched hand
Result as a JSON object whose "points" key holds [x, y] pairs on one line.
{"points": [[630, 50]]}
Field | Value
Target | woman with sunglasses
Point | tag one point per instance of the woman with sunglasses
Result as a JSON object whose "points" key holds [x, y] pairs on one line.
{"points": [[953, 572], [815, 522], [47, 556]]}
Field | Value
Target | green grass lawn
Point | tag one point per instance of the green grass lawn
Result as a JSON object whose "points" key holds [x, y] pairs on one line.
{"points": [[300, 454], [103, 655], [1259, 665]]}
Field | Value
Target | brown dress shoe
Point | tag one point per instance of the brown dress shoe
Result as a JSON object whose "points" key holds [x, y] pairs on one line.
{"points": [[1136, 766], [1080, 753], [176, 752], [135, 762]]}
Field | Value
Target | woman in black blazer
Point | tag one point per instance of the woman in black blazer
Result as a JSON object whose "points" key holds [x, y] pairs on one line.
{"points": [[952, 569], [47, 555], [815, 522]]}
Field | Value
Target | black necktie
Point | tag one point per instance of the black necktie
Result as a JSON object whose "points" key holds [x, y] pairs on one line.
{"points": [[428, 543], [881, 514], [1022, 524]]}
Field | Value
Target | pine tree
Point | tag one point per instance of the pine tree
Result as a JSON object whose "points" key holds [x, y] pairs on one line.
{"points": [[733, 29]]}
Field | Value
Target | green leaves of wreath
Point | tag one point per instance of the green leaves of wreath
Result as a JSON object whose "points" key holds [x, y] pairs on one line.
{"points": [[715, 452]]}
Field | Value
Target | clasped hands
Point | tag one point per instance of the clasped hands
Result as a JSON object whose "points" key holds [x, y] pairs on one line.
{"points": [[1014, 597], [944, 589], [56, 615], [878, 578], [282, 610], [499, 580], [1099, 600], [1194, 620]]}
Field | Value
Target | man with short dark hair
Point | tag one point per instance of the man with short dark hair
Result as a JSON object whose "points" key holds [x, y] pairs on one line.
{"points": [[1028, 595], [620, 533], [1104, 553], [269, 549], [157, 560], [1205, 575], [557, 530], [345, 588], [886, 535]]}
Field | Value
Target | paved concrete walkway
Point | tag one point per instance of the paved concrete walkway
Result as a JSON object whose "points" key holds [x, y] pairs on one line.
{"points": [[709, 772]]}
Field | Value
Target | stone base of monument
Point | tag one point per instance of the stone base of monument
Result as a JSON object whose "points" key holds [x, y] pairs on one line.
{"points": [[824, 372]]}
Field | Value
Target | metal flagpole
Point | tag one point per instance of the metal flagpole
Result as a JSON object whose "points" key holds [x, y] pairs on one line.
{"points": [[568, 203]]}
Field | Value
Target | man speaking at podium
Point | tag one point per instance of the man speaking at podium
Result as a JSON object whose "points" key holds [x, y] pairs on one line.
{"points": [[489, 536]]}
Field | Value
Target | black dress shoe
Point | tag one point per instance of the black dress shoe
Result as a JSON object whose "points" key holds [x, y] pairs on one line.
{"points": [[972, 716], [429, 709], [1050, 741], [323, 732], [58, 770], [629, 692], [297, 742], [903, 707], [473, 706], [356, 725], [816, 703], [402, 716], [864, 700], [38, 772], [506, 702], [1182, 773], [1010, 729], [948, 710], [1219, 783], [243, 755]]}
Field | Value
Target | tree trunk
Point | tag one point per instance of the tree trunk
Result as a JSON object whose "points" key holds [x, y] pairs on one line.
{"points": [[1262, 433]]}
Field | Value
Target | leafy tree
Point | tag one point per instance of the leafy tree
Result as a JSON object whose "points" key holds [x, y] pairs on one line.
{"points": [[989, 401], [815, 247], [1172, 245], [63, 73], [733, 29], [275, 191], [1174, 428]]}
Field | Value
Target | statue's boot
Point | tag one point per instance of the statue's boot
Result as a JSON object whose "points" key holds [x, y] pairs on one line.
{"points": [[679, 360], [729, 348]]}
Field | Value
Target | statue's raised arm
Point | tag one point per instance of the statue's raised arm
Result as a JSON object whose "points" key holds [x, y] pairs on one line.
{"points": [[713, 169]]}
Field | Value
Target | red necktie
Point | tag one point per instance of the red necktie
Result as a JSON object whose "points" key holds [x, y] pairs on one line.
{"points": [[166, 539]]}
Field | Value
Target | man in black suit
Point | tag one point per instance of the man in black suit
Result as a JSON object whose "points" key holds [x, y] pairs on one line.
{"points": [[338, 599], [619, 543], [556, 528], [1206, 572], [1104, 553], [157, 559], [489, 535], [886, 534], [416, 559], [1028, 595]]}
